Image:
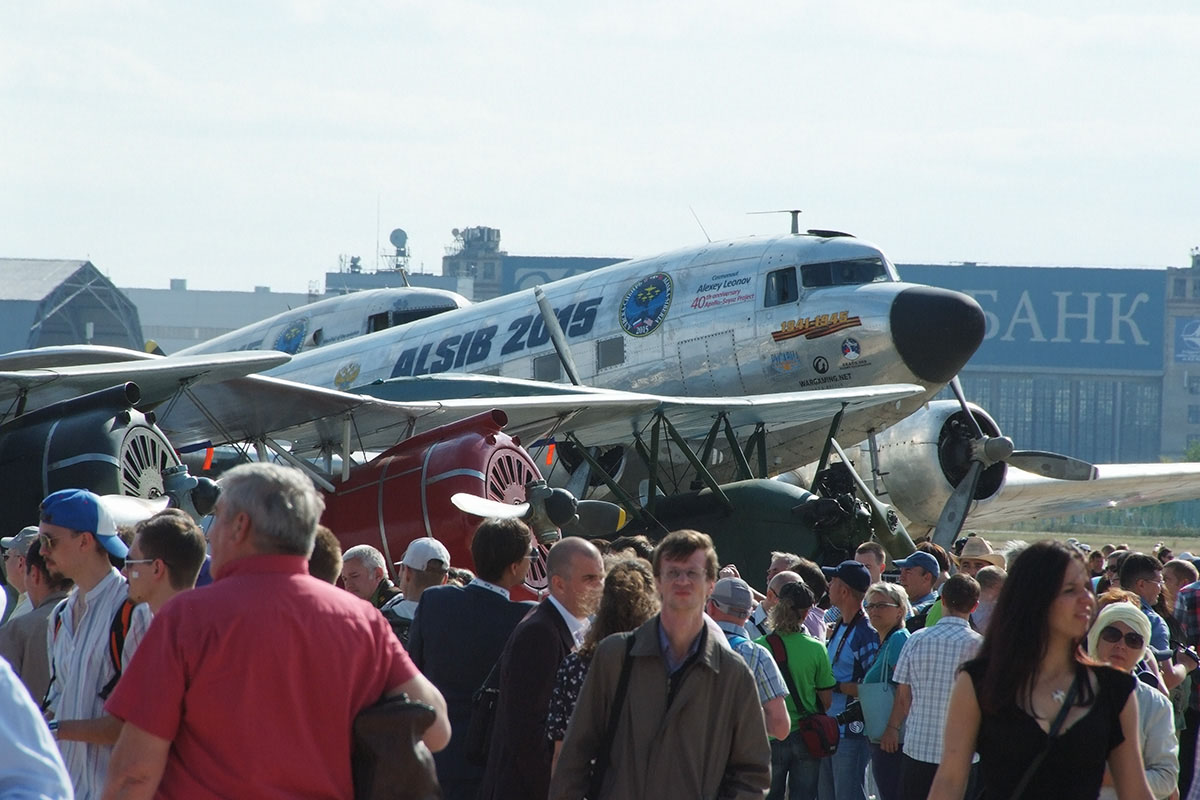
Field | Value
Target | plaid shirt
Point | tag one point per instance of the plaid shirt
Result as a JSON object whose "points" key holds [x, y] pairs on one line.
{"points": [[1187, 613], [929, 664], [767, 676]]}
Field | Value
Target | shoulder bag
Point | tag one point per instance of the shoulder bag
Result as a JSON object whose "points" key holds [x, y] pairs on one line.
{"points": [[876, 700], [478, 738], [600, 765], [817, 730], [389, 761]]}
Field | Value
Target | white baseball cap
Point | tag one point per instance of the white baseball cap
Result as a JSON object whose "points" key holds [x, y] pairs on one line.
{"points": [[421, 551]]}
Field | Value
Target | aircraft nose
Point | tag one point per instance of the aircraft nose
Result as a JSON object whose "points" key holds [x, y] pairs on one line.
{"points": [[936, 331]]}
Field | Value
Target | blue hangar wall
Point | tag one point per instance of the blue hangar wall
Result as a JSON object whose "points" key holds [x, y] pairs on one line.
{"points": [[1072, 358]]}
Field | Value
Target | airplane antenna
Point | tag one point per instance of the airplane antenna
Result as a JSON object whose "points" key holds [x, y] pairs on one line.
{"points": [[795, 212], [701, 224]]}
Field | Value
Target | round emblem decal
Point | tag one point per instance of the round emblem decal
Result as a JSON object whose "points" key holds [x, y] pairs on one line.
{"points": [[645, 305], [346, 376], [291, 339], [850, 349], [821, 365]]}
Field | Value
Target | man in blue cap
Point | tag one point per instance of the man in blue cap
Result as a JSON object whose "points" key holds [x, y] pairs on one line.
{"points": [[852, 648], [77, 536], [918, 575]]}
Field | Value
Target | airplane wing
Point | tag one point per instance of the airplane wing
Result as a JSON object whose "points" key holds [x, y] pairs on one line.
{"points": [[1026, 496], [40, 377], [314, 419]]}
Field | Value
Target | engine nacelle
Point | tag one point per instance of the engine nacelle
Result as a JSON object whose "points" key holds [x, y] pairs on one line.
{"points": [[404, 493], [924, 456], [98, 441]]}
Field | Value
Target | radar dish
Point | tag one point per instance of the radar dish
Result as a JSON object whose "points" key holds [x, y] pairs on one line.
{"points": [[398, 238]]}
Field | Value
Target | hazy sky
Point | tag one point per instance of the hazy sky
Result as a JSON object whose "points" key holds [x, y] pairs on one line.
{"points": [[244, 143]]}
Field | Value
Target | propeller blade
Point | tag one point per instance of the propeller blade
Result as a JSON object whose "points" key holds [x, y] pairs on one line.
{"points": [[483, 507], [126, 510], [597, 518], [956, 387], [1053, 465], [954, 513]]}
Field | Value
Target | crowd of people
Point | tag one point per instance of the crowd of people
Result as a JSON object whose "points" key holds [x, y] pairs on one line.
{"points": [[163, 661]]}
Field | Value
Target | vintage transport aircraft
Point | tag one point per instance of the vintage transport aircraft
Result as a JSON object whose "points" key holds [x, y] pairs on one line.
{"points": [[711, 357], [332, 320]]}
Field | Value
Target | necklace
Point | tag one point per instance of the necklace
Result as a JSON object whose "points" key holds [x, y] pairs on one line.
{"points": [[1059, 695]]}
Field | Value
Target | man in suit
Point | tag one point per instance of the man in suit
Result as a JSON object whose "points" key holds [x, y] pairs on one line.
{"points": [[458, 633], [519, 760]]}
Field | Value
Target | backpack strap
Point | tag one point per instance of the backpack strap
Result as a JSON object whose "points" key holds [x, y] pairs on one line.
{"points": [[59, 609], [117, 633]]}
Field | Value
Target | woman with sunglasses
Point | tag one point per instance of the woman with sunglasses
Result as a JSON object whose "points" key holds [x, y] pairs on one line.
{"points": [[1118, 638], [887, 607], [1029, 679]]}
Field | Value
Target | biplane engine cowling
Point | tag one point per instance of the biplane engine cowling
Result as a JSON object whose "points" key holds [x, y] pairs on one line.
{"points": [[924, 456], [405, 493], [98, 441]]}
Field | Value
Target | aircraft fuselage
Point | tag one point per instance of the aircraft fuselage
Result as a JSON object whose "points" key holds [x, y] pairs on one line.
{"points": [[751, 316]]}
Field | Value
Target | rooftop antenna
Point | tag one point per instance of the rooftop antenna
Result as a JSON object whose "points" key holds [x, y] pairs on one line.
{"points": [[701, 224], [795, 212]]}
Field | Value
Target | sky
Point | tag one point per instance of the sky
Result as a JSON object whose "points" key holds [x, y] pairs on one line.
{"points": [[237, 144]]}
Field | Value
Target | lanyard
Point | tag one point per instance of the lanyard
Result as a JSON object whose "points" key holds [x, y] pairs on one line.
{"points": [[837, 654]]}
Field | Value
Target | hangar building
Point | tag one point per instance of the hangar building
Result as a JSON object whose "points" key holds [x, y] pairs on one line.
{"points": [[46, 302]]}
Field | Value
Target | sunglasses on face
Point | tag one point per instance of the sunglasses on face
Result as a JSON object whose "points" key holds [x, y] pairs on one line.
{"points": [[1133, 641]]}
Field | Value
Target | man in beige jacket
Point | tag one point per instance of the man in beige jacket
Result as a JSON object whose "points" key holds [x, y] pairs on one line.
{"points": [[698, 728]]}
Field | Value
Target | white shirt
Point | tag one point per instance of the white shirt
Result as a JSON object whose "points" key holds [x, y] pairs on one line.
{"points": [[81, 666], [576, 625], [30, 766]]}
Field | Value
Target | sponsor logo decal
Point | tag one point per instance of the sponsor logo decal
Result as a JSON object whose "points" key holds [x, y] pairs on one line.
{"points": [[821, 365], [825, 380], [785, 362], [646, 304], [816, 327], [346, 376], [291, 338], [850, 349]]}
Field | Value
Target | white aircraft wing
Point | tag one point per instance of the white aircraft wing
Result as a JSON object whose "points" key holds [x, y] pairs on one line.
{"points": [[1026, 496], [34, 375], [314, 419]]}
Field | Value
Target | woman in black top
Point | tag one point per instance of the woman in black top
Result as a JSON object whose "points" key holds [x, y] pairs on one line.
{"points": [[1006, 700]]}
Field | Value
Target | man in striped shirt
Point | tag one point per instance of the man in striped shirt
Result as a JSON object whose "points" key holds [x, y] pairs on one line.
{"points": [[77, 537]]}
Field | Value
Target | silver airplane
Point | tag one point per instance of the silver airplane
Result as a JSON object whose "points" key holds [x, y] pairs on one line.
{"points": [[333, 319]]}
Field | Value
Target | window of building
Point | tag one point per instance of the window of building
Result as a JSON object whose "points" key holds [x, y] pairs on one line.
{"points": [[489, 270], [1179, 287], [1193, 384], [1193, 415], [547, 368], [781, 287], [610, 352], [1193, 438], [1195, 288]]}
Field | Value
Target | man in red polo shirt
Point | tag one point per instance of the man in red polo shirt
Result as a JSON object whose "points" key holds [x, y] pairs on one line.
{"points": [[249, 687]]}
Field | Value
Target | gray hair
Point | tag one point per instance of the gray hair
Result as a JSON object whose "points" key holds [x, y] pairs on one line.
{"points": [[894, 592], [369, 556], [281, 502]]}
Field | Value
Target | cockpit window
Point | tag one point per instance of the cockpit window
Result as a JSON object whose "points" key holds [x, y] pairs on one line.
{"points": [[843, 273], [781, 287]]}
